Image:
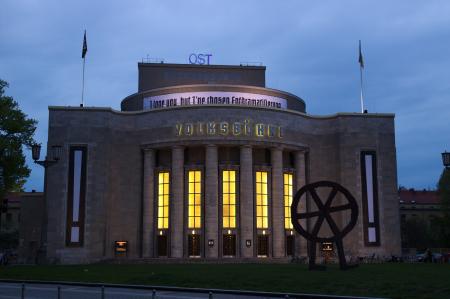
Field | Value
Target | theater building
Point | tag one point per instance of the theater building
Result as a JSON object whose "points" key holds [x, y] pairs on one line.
{"points": [[203, 162]]}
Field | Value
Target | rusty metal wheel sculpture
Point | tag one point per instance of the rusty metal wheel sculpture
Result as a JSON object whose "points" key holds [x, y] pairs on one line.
{"points": [[324, 214]]}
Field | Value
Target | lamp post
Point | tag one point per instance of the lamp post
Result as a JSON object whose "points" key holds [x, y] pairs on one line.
{"points": [[446, 159], [55, 155]]}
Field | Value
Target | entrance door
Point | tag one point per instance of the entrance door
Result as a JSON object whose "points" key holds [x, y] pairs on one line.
{"points": [[194, 245], [263, 245], [162, 245], [229, 245], [289, 245]]}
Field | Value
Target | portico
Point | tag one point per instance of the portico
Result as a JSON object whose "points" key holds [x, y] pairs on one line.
{"points": [[240, 215]]}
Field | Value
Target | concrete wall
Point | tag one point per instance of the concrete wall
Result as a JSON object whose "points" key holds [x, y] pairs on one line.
{"points": [[157, 75]]}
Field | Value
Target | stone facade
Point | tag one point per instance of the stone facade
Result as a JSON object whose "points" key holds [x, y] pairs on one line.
{"points": [[126, 149]]}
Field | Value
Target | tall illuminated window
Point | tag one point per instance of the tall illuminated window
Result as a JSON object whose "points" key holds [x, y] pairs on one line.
{"points": [[163, 199], [194, 198], [229, 198], [287, 195], [262, 207]]}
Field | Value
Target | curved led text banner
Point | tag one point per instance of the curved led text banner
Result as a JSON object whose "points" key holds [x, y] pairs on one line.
{"points": [[227, 98]]}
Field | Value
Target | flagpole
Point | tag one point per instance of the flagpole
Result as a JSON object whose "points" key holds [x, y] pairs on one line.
{"points": [[83, 55], [361, 66], [361, 85], [82, 86]]}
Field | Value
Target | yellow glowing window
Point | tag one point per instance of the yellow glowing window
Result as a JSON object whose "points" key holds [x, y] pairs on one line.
{"points": [[229, 198], [194, 199], [163, 199], [262, 206], [287, 195]]}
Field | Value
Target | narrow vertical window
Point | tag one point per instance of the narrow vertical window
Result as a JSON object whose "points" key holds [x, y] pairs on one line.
{"points": [[287, 196], [370, 198], [194, 199], [262, 207], [163, 199], [76, 196], [229, 198]]}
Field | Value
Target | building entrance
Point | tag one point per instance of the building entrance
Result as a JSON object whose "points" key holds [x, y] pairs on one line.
{"points": [[162, 245], [263, 245], [194, 245], [290, 245], [229, 245]]}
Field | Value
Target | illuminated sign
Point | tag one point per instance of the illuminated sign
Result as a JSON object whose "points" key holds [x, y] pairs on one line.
{"points": [[227, 98], [121, 247], [224, 128], [199, 58], [327, 246]]}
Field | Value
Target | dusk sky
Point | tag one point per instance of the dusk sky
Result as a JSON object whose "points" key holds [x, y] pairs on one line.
{"points": [[310, 50]]}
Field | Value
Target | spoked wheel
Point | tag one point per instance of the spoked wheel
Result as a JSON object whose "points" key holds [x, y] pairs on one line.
{"points": [[324, 212]]}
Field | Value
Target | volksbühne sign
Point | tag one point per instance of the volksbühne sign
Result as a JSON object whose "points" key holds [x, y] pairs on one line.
{"points": [[224, 128]]}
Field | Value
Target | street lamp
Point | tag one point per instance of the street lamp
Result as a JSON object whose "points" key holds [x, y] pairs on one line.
{"points": [[55, 154], [446, 159]]}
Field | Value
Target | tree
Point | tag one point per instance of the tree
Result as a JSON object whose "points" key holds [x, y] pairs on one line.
{"points": [[418, 233], [16, 131]]}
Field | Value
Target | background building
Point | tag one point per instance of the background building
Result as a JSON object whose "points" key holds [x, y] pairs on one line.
{"points": [[203, 161], [423, 204], [22, 216], [10, 213], [420, 220]]}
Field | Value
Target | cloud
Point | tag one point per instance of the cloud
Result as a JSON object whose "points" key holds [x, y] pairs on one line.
{"points": [[310, 49]]}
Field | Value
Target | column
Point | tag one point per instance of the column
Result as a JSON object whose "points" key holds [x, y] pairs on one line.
{"points": [[246, 206], [177, 203], [211, 201], [300, 181], [148, 204], [278, 239]]}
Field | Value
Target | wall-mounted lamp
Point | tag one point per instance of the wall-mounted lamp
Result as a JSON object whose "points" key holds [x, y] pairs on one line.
{"points": [[248, 243], [55, 154], [210, 243]]}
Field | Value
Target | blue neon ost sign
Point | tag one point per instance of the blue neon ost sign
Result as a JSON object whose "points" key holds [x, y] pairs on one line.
{"points": [[199, 58]]}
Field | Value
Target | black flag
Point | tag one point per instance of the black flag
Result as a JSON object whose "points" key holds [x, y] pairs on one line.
{"points": [[83, 54], [360, 60]]}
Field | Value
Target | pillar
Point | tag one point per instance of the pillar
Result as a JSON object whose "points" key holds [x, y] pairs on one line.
{"points": [[246, 206], [300, 181], [148, 204], [278, 238], [211, 201], [177, 203]]}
